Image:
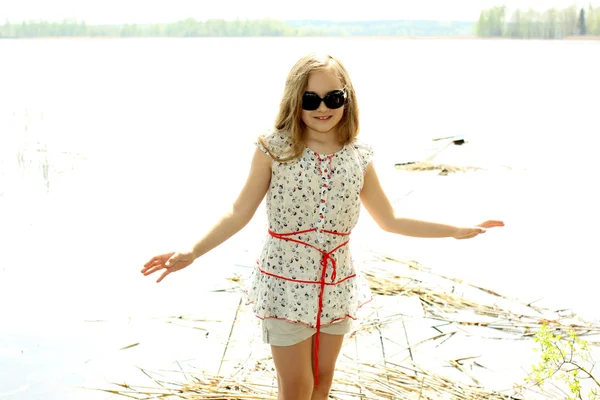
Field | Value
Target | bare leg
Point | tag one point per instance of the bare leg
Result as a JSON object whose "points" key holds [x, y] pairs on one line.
{"points": [[294, 370], [329, 349]]}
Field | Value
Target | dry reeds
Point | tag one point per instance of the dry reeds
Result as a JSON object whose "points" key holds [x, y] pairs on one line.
{"points": [[438, 296], [355, 381], [444, 169], [442, 298]]}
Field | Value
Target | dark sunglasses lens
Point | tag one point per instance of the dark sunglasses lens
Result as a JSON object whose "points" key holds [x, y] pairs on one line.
{"points": [[310, 101], [335, 99]]}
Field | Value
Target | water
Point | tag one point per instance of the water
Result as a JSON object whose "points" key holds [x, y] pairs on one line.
{"points": [[114, 150]]}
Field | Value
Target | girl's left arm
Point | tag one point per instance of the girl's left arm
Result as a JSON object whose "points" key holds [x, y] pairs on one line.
{"points": [[378, 205]]}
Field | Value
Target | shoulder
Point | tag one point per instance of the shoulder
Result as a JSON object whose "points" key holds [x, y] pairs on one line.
{"points": [[364, 152], [275, 143], [362, 147]]}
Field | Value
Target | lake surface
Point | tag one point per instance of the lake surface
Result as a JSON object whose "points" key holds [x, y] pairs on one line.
{"points": [[113, 150]]}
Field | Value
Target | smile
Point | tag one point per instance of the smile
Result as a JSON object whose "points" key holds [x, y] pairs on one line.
{"points": [[323, 118]]}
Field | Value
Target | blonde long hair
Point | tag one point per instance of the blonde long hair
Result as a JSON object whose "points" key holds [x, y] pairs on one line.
{"points": [[289, 118]]}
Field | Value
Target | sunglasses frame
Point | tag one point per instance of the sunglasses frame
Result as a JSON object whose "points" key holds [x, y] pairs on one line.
{"points": [[325, 99]]}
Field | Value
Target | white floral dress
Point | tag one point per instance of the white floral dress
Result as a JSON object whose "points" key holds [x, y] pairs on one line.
{"points": [[305, 273]]}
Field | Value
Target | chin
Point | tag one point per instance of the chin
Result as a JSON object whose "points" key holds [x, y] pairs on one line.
{"points": [[323, 130]]}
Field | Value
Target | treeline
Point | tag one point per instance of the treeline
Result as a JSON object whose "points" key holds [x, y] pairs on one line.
{"points": [[493, 22], [531, 24], [184, 28], [238, 28], [406, 28]]}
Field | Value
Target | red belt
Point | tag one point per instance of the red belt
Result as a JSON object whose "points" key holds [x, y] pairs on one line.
{"points": [[324, 261]]}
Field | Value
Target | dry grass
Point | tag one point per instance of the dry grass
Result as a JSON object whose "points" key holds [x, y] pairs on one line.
{"points": [[444, 169], [439, 298], [359, 381]]}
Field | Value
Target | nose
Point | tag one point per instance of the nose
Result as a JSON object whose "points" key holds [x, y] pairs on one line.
{"points": [[322, 107]]}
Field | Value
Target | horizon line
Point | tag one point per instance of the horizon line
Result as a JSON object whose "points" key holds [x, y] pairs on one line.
{"points": [[238, 19]]}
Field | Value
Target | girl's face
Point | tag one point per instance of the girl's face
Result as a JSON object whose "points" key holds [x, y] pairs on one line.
{"points": [[323, 120]]}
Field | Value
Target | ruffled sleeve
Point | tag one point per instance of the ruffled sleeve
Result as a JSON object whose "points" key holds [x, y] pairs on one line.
{"points": [[364, 153], [274, 143]]}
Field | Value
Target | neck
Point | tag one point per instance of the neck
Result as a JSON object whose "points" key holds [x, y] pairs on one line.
{"points": [[322, 143], [326, 139]]}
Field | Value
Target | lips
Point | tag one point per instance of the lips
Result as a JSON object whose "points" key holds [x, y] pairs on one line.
{"points": [[323, 118]]}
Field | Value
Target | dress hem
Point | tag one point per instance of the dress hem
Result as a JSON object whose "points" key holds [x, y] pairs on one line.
{"points": [[354, 317]]}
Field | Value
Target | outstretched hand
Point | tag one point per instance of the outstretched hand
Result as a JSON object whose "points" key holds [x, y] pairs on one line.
{"points": [[168, 262], [467, 233]]}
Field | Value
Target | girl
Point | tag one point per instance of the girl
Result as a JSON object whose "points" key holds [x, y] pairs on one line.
{"points": [[315, 175]]}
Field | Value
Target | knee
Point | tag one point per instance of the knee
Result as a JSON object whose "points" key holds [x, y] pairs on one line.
{"points": [[296, 387], [325, 382]]}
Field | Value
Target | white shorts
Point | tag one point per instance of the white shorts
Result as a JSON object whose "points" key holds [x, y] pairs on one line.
{"points": [[279, 332]]}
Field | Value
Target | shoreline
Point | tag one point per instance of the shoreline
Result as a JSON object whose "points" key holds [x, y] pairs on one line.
{"points": [[568, 38]]}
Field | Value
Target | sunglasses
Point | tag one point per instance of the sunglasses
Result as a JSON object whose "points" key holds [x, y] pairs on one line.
{"points": [[334, 99]]}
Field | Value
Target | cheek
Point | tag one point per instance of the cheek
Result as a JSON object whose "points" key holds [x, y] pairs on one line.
{"points": [[305, 116]]}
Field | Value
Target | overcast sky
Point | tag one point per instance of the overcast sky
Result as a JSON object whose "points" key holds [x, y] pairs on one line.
{"points": [[152, 11]]}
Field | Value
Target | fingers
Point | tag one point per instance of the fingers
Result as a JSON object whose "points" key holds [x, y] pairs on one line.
{"points": [[152, 261], [169, 262], [149, 271], [481, 228], [471, 233], [156, 263], [170, 266], [163, 276], [152, 266], [152, 270], [492, 224]]}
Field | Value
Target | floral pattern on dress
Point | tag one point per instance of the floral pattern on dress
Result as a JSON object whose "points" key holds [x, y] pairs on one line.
{"points": [[320, 193]]}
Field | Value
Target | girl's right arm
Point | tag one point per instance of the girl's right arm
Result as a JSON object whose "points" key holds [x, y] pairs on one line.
{"points": [[233, 221]]}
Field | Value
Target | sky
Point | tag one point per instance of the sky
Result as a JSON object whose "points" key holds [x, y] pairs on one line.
{"points": [[145, 11]]}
